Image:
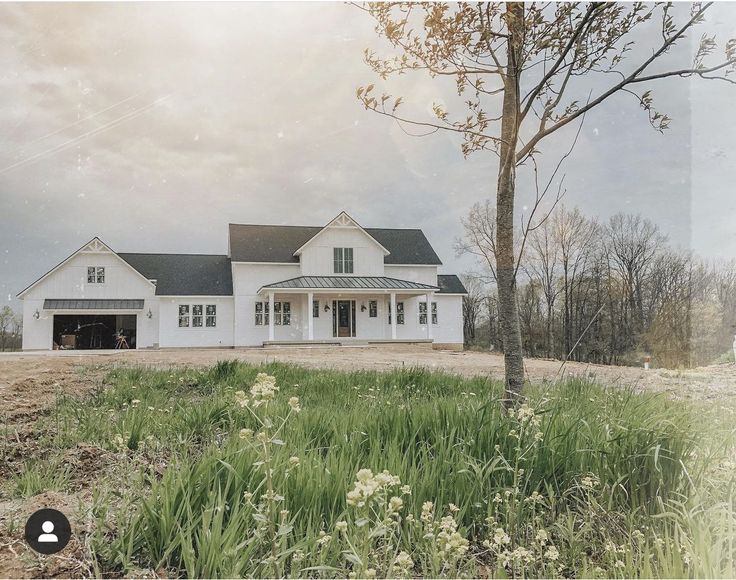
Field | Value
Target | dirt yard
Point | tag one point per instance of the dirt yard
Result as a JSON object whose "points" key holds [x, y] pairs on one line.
{"points": [[28, 381]]}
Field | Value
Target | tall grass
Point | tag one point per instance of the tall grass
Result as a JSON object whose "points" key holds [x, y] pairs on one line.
{"points": [[602, 467]]}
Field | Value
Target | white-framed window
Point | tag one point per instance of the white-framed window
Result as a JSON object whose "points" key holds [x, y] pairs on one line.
{"points": [[373, 308], [184, 316], [315, 308], [423, 313], [343, 260], [211, 319], [281, 313], [197, 315], [95, 274], [399, 313]]}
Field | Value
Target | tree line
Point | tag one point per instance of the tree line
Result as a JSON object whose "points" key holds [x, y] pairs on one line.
{"points": [[608, 292], [11, 328]]}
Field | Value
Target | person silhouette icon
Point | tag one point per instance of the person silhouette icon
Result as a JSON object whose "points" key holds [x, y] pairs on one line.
{"points": [[48, 531], [47, 536]]}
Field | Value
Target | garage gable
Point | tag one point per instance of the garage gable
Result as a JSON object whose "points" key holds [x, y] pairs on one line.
{"points": [[93, 271]]}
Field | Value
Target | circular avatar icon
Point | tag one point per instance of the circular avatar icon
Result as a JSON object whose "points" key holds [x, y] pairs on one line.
{"points": [[48, 531]]}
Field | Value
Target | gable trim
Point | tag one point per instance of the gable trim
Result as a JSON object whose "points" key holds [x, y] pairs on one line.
{"points": [[344, 216], [97, 242]]}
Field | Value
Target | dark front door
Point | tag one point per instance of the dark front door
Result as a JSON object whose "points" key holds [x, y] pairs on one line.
{"points": [[345, 318]]}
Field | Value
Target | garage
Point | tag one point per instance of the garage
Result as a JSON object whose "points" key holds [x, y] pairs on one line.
{"points": [[94, 324], [94, 331]]}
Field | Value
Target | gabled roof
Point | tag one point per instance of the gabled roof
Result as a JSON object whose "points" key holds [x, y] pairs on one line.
{"points": [[94, 246], [348, 282], [343, 220], [277, 244], [450, 284], [185, 274]]}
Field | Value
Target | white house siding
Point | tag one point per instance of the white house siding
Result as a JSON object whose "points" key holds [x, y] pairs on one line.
{"points": [[420, 274], [173, 336], [247, 280], [70, 281], [317, 256]]}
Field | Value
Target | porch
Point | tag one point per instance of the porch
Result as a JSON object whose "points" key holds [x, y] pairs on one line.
{"points": [[344, 310]]}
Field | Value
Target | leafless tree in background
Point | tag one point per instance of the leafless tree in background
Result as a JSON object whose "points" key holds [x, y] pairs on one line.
{"points": [[618, 291]]}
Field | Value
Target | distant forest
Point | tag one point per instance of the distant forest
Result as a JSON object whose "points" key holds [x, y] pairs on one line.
{"points": [[11, 327], [603, 292]]}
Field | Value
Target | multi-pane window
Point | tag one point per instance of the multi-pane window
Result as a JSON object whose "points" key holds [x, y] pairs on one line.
{"points": [[343, 260], [315, 308], [373, 308], [281, 313], [211, 320], [423, 313], [183, 315], [399, 313], [197, 315], [95, 274]]}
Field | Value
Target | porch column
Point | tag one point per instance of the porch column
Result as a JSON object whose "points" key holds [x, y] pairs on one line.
{"points": [[270, 316], [310, 314], [429, 315], [393, 315]]}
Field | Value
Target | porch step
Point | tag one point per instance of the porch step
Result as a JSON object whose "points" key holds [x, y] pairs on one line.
{"points": [[337, 342]]}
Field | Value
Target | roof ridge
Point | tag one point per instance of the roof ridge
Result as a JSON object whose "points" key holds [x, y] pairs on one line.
{"points": [[320, 227], [169, 254]]}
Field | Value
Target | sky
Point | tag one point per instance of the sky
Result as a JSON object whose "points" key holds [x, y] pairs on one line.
{"points": [[154, 125]]}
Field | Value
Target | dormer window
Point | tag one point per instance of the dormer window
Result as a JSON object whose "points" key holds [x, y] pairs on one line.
{"points": [[343, 260], [95, 274]]}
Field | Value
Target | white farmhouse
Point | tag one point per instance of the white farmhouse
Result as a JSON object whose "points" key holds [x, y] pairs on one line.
{"points": [[336, 284]]}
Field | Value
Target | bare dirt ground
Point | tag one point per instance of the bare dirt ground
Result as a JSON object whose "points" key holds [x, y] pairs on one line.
{"points": [[29, 383]]}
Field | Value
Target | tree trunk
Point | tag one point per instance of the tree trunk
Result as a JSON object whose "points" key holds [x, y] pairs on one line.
{"points": [[508, 309]]}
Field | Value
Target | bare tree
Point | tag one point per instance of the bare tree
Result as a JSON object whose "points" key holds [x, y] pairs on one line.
{"points": [[472, 305], [523, 72]]}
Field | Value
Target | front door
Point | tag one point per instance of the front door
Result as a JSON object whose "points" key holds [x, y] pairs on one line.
{"points": [[344, 318]]}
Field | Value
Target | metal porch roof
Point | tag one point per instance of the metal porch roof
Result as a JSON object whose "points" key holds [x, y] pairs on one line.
{"points": [[347, 283]]}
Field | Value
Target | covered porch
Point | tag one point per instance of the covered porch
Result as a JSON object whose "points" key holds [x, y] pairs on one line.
{"points": [[350, 310]]}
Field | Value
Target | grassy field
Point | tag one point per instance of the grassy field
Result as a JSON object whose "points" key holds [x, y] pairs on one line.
{"points": [[278, 471]]}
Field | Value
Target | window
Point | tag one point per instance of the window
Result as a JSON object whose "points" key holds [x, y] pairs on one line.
{"points": [[211, 320], [95, 274], [315, 308], [423, 313], [184, 316], [281, 313], [399, 313], [343, 260], [197, 316], [373, 308]]}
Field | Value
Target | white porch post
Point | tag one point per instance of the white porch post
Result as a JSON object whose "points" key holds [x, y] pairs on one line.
{"points": [[429, 315], [393, 315], [310, 310], [270, 316]]}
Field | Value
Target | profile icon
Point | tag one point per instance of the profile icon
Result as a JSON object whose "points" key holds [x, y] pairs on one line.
{"points": [[48, 531], [47, 536]]}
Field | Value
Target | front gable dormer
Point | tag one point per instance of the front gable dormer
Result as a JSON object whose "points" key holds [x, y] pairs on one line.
{"points": [[342, 247]]}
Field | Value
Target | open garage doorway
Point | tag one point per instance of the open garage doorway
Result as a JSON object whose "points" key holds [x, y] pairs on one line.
{"points": [[94, 331]]}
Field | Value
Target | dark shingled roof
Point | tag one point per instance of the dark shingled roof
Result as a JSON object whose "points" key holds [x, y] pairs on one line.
{"points": [[185, 274], [356, 282], [450, 284], [255, 243]]}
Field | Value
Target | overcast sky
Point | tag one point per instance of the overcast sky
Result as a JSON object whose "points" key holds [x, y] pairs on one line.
{"points": [[154, 125]]}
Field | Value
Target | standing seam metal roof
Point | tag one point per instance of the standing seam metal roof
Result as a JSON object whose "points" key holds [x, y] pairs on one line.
{"points": [[348, 282]]}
